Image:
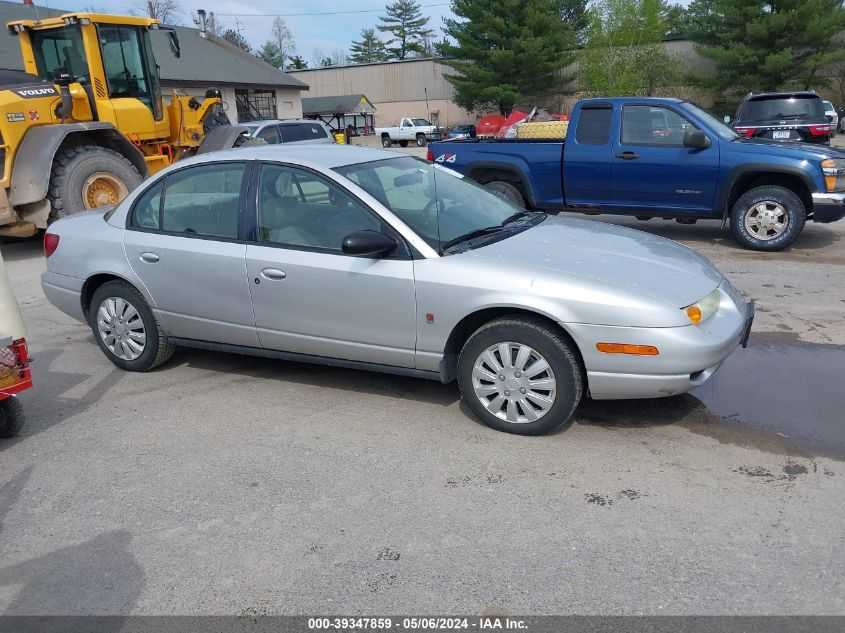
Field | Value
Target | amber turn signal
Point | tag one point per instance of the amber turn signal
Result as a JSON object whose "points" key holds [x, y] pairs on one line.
{"points": [[624, 348], [694, 314]]}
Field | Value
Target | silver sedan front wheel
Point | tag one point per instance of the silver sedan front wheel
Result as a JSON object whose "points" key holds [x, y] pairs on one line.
{"points": [[121, 328], [514, 382]]}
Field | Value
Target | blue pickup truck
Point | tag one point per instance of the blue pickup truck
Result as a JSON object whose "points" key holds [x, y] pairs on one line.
{"points": [[652, 157]]}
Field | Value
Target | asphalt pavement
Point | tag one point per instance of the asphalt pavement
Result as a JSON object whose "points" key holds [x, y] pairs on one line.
{"points": [[220, 484]]}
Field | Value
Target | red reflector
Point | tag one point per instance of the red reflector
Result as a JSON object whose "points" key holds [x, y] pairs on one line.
{"points": [[746, 131], [51, 243], [429, 155], [819, 130], [19, 346]]}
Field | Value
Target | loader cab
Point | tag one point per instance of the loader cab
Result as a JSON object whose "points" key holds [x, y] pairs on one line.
{"points": [[111, 57]]}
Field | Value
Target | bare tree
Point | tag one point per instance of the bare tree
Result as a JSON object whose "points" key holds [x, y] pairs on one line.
{"points": [[282, 37], [339, 57], [168, 11], [317, 57]]}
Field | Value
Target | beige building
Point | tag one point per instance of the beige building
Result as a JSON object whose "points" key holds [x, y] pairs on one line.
{"points": [[396, 89]]}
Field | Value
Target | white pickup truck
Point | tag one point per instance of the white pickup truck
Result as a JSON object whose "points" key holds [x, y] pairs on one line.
{"points": [[419, 131]]}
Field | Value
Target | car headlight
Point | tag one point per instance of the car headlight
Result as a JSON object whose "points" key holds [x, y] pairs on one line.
{"points": [[703, 309], [834, 174]]}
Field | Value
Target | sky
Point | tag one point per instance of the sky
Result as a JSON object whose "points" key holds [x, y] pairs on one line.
{"points": [[254, 18]]}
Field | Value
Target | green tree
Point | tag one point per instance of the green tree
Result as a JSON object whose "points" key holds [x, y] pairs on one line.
{"points": [[676, 19], [407, 27], [234, 37], [270, 53], [759, 46], [624, 53], [297, 63], [504, 51], [368, 49]]}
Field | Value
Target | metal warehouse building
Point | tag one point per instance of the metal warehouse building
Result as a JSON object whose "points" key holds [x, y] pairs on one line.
{"points": [[252, 89], [396, 89]]}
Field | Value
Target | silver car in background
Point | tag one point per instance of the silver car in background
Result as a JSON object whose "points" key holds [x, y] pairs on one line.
{"points": [[299, 131], [366, 259], [830, 111]]}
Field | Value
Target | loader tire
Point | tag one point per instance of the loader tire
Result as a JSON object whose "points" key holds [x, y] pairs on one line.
{"points": [[88, 177]]}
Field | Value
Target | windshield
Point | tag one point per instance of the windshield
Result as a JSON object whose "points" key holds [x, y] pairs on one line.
{"points": [[721, 130], [420, 122], [442, 207], [828, 106], [60, 48], [772, 108]]}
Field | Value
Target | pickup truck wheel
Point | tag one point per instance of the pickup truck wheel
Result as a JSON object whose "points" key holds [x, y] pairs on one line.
{"points": [[386, 142], [767, 218], [519, 375], [12, 417], [403, 143], [421, 140], [507, 191]]}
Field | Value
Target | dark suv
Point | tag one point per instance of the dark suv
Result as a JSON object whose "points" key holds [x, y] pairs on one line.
{"points": [[783, 116]]}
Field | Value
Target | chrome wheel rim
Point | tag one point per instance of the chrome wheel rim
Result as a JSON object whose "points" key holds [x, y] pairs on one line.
{"points": [[767, 220], [514, 382], [121, 328]]}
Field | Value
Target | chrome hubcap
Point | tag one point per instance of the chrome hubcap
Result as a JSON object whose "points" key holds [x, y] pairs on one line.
{"points": [[121, 328], [514, 382], [767, 220]]}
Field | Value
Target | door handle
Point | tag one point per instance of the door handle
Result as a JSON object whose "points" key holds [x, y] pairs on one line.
{"points": [[150, 258], [627, 155], [273, 274]]}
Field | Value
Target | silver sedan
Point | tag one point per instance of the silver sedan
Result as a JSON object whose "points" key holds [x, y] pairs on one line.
{"points": [[365, 259]]}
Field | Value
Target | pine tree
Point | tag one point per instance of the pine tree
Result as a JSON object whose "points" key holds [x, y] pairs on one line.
{"points": [[504, 52], [297, 63], [759, 46], [270, 53], [368, 49], [407, 27]]}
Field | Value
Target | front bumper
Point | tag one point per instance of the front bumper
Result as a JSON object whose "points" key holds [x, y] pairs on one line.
{"points": [[689, 355], [828, 207]]}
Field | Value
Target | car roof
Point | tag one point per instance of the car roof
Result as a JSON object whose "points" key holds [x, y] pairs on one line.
{"points": [[280, 121], [783, 95], [325, 156]]}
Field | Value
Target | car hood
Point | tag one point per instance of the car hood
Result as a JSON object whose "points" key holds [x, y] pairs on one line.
{"points": [[616, 255]]}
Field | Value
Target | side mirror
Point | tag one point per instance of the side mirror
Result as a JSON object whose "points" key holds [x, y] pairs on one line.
{"points": [[367, 244], [829, 118], [727, 119], [696, 139]]}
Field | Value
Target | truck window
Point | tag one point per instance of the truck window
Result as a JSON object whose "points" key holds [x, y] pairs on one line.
{"points": [[651, 125], [594, 126], [60, 48]]}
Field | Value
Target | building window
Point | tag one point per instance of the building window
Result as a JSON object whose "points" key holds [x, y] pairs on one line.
{"points": [[255, 105]]}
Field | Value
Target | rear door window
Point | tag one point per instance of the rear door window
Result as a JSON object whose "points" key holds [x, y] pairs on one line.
{"points": [[290, 133], [204, 200], [594, 126]]}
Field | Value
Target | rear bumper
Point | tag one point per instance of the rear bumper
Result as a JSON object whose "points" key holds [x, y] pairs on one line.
{"points": [[64, 292], [688, 356], [828, 207]]}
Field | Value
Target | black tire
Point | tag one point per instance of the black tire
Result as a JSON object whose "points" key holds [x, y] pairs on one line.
{"points": [[403, 143], [550, 343], [644, 218], [157, 350], [72, 167], [507, 191], [421, 140], [746, 204], [386, 142], [12, 417], [249, 141]]}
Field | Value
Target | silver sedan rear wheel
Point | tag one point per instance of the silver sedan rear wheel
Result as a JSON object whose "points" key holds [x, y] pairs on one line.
{"points": [[121, 328], [514, 382]]}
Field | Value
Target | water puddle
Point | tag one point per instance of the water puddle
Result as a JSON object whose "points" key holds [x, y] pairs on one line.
{"points": [[779, 395]]}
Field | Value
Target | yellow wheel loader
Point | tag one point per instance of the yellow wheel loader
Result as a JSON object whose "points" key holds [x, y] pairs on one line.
{"points": [[90, 121]]}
